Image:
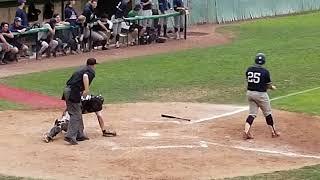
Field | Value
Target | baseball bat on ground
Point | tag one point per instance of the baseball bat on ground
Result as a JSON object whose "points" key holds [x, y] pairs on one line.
{"points": [[175, 117]]}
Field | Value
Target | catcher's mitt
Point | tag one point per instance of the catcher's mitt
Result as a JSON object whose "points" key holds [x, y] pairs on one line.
{"points": [[92, 103]]}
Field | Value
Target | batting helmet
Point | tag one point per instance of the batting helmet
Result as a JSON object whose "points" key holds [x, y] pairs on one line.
{"points": [[260, 59]]}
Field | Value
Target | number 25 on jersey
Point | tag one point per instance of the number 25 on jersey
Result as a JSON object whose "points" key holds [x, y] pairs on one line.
{"points": [[254, 77]]}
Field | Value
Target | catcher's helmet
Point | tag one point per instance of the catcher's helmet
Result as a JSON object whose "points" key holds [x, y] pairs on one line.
{"points": [[260, 59]]}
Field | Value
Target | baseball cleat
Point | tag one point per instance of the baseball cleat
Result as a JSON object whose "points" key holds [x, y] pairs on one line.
{"points": [[247, 136], [71, 141], [275, 134], [46, 138], [82, 138], [108, 133]]}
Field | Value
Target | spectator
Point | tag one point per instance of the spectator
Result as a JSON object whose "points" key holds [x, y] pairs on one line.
{"points": [[4, 46], [33, 13], [121, 12], [146, 11], [70, 13], [164, 6], [88, 11], [178, 20], [94, 23], [134, 26], [83, 32], [21, 13], [103, 28], [17, 27], [64, 37], [48, 10], [9, 37], [48, 43], [57, 17]]}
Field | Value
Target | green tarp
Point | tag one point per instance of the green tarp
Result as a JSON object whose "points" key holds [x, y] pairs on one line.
{"points": [[219, 11], [153, 17], [36, 30]]}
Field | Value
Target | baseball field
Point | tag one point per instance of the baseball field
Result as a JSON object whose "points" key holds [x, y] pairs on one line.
{"points": [[202, 79]]}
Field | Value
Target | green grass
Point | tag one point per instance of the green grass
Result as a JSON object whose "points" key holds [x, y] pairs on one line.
{"points": [[303, 103], [214, 75], [306, 173], [3, 177], [5, 105]]}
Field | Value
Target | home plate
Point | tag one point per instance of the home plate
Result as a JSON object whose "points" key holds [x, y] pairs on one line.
{"points": [[151, 134]]}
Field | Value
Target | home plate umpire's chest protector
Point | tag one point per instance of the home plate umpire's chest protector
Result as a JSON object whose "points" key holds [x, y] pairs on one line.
{"points": [[91, 103]]}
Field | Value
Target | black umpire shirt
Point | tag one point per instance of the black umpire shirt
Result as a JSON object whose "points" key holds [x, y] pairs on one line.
{"points": [[258, 78], [76, 82]]}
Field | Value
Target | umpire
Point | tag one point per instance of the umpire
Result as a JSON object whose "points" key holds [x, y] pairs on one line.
{"points": [[77, 86]]}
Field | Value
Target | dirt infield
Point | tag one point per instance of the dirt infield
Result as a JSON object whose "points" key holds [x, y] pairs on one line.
{"points": [[149, 146], [199, 36]]}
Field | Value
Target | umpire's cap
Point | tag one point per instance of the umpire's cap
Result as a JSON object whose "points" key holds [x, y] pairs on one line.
{"points": [[91, 61], [260, 59]]}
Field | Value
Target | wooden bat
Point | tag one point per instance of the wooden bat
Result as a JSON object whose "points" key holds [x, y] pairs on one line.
{"points": [[169, 116]]}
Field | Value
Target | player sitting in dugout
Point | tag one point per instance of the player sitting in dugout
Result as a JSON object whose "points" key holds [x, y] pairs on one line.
{"points": [[8, 39], [102, 31], [134, 26], [18, 28], [47, 40], [4, 48], [65, 37], [95, 25]]}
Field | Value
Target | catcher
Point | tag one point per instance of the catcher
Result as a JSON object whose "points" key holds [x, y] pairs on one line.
{"points": [[90, 104]]}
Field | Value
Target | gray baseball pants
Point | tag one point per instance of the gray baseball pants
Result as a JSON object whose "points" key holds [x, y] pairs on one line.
{"points": [[258, 100], [76, 127]]}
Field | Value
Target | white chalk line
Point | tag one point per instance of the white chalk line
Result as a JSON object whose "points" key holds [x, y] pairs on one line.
{"points": [[221, 115], [293, 94], [142, 121], [262, 150], [204, 144], [247, 108], [200, 145]]}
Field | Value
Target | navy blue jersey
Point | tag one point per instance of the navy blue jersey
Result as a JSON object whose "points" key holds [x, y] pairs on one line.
{"points": [[122, 9], [23, 15], [177, 3], [87, 12], [164, 5], [258, 78]]}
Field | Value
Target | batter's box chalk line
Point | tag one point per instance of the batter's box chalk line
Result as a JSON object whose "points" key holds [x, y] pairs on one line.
{"points": [[206, 144], [263, 150], [187, 146], [247, 108], [154, 121]]}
